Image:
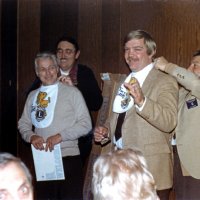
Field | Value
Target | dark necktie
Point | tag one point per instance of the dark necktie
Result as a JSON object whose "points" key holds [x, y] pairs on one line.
{"points": [[118, 130]]}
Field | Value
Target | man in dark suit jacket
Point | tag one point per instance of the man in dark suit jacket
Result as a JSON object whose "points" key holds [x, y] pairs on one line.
{"points": [[83, 78]]}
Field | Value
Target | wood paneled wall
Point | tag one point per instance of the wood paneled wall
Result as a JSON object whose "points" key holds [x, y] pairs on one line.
{"points": [[100, 26], [58, 17], [103, 24], [90, 33], [173, 24], [28, 45]]}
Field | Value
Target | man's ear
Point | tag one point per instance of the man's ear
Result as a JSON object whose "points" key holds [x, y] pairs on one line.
{"points": [[152, 56], [77, 54]]}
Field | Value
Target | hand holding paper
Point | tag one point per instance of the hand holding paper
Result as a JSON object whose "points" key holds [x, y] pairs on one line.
{"points": [[48, 165], [52, 140], [37, 141]]}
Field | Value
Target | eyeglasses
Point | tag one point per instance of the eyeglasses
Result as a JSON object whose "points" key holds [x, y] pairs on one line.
{"points": [[66, 51]]}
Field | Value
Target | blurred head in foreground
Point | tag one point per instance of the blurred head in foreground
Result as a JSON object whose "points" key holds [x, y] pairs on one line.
{"points": [[15, 179], [121, 175]]}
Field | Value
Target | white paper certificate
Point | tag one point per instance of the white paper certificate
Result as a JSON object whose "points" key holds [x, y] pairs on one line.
{"points": [[48, 165]]}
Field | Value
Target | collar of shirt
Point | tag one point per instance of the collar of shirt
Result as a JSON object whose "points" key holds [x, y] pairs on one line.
{"points": [[45, 87], [66, 73], [142, 74]]}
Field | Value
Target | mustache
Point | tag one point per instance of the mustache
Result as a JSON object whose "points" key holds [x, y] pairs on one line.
{"points": [[132, 59], [62, 59]]}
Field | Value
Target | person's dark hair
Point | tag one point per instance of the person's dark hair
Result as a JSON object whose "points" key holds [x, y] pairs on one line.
{"points": [[70, 40], [7, 158], [196, 53]]}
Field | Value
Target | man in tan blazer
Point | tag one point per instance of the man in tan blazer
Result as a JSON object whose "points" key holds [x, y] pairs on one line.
{"points": [[187, 143], [151, 117]]}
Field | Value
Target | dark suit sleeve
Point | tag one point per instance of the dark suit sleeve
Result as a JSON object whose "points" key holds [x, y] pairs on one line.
{"points": [[36, 84], [89, 88]]}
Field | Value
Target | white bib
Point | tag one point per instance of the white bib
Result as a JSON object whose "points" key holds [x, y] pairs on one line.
{"points": [[123, 100], [43, 106]]}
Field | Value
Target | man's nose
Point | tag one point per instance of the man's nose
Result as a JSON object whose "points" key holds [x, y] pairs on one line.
{"points": [[48, 71], [63, 54], [132, 51]]}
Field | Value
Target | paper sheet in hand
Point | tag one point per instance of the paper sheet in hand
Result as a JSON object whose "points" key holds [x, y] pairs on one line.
{"points": [[48, 165]]}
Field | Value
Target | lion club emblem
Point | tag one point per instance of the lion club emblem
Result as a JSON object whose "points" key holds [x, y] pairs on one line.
{"points": [[40, 113]]}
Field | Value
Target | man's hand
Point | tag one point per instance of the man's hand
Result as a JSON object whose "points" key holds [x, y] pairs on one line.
{"points": [[37, 141], [65, 79], [100, 133], [53, 140], [160, 63], [136, 92]]}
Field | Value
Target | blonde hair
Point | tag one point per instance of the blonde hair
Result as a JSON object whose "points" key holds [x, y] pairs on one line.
{"points": [[122, 175], [148, 40]]}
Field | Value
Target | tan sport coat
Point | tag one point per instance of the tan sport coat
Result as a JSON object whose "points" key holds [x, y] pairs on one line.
{"points": [[188, 127], [149, 130]]}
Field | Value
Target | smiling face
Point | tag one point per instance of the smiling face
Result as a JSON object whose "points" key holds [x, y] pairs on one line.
{"points": [[66, 55], [47, 71], [136, 54], [14, 184]]}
